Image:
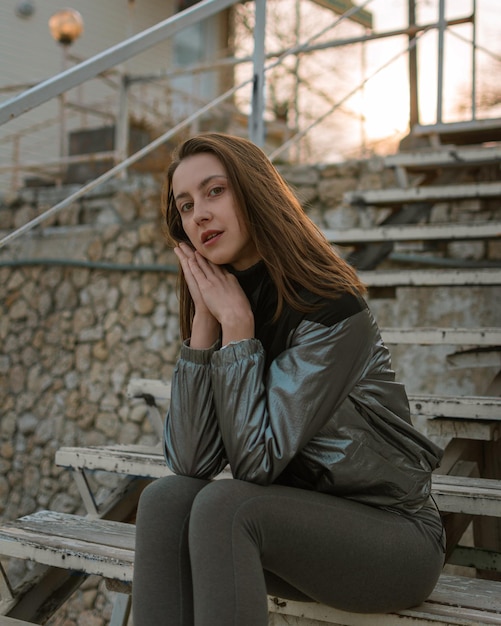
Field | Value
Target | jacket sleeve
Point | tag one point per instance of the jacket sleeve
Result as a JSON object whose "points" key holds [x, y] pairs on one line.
{"points": [[193, 443], [265, 423]]}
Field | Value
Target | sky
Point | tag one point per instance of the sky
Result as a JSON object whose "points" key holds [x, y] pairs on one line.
{"points": [[383, 103], [391, 112]]}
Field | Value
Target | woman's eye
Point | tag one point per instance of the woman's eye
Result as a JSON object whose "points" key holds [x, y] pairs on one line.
{"points": [[216, 191], [185, 207]]}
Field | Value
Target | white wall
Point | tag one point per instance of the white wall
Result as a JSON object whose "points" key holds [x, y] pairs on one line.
{"points": [[29, 55]]}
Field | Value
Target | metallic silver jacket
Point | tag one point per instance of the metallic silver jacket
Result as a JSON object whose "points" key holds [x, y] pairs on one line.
{"points": [[326, 415]]}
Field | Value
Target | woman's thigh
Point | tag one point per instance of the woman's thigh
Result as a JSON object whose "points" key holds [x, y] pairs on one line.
{"points": [[162, 589], [331, 549]]}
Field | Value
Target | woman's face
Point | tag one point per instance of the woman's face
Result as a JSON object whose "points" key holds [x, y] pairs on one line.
{"points": [[209, 214]]}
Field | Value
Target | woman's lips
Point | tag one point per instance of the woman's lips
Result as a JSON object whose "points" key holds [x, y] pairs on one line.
{"points": [[211, 238]]}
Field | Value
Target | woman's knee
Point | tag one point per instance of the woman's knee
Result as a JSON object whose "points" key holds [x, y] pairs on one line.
{"points": [[221, 503], [223, 493], [168, 494]]}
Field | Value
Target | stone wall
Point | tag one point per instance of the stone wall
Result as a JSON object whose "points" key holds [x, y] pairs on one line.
{"points": [[88, 301]]}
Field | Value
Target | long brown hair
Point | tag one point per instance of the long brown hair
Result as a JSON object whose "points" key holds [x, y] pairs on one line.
{"points": [[295, 252]]}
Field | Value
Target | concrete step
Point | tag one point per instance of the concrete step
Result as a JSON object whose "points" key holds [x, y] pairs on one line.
{"points": [[422, 232], [456, 407], [461, 133], [443, 336], [431, 278], [427, 194], [445, 156]]}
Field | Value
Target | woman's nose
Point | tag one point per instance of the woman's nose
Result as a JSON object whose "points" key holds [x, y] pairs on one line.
{"points": [[200, 213]]}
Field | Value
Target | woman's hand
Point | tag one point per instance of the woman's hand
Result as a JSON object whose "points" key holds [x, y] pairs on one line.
{"points": [[222, 296], [205, 327]]}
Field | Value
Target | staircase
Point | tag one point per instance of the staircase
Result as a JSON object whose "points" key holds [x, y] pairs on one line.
{"points": [[441, 231], [437, 232], [441, 228], [409, 252]]}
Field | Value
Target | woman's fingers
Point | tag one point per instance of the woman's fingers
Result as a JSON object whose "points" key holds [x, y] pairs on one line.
{"points": [[210, 278], [216, 294], [185, 258], [220, 290], [216, 287], [205, 328]]}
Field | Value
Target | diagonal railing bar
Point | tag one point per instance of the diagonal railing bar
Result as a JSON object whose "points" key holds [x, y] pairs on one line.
{"points": [[148, 38], [295, 138], [305, 48], [307, 44], [121, 166], [373, 36], [194, 68], [345, 16], [115, 55], [127, 162], [469, 41]]}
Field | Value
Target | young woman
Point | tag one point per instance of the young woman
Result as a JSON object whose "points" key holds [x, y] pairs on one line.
{"points": [[282, 375]]}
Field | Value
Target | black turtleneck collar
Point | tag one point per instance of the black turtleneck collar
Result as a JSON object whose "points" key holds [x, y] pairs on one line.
{"points": [[251, 279], [262, 294]]}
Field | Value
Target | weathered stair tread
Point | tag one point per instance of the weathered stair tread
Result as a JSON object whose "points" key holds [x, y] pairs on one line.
{"points": [[431, 193], [133, 460], [422, 232], [458, 407], [106, 548], [159, 389], [94, 546], [443, 336], [444, 156], [455, 601], [431, 278], [471, 429], [475, 496], [466, 132]]}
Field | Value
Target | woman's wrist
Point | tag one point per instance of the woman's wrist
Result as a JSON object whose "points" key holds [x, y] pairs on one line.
{"points": [[205, 331], [237, 328]]}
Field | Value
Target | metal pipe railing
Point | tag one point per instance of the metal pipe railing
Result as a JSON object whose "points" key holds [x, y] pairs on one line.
{"points": [[256, 118], [337, 105], [440, 72], [474, 63], [119, 168], [118, 54], [99, 63]]}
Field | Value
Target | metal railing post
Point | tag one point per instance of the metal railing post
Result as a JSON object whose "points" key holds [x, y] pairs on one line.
{"points": [[122, 124], [256, 119], [440, 74], [15, 162], [474, 62], [413, 68]]}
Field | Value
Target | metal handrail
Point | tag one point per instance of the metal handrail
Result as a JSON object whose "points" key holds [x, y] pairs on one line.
{"points": [[340, 103], [107, 60], [97, 65], [115, 55], [119, 167]]}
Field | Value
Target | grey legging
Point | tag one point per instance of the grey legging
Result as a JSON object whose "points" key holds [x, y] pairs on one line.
{"points": [[207, 553]]}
